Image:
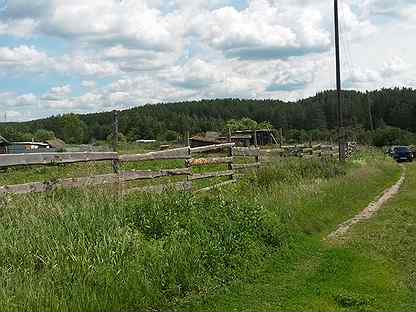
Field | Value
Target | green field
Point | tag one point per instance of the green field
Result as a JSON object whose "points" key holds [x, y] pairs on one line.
{"points": [[253, 246], [374, 269]]}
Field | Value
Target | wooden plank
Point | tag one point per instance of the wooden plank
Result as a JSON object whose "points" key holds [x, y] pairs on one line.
{"points": [[246, 166], [173, 154], [179, 186], [147, 174], [209, 148], [246, 151], [209, 161], [327, 147], [39, 187], [279, 151], [211, 175], [9, 160], [207, 189]]}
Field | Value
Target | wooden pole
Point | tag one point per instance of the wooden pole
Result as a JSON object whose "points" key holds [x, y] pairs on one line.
{"points": [[188, 139], [339, 87], [230, 153], [115, 140], [255, 138], [370, 111]]}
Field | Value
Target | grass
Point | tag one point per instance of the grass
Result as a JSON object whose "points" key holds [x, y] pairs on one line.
{"points": [[373, 271], [82, 250]]}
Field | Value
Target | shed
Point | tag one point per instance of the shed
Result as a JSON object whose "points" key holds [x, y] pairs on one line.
{"points": [[264, 136], [197, 141], [56, 144]]}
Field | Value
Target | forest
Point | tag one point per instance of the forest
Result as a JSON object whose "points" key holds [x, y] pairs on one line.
{"points": [[367, 116]]}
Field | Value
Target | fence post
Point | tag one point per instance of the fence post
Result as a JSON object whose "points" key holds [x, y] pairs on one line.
{"points": [[281, 137], [255, 138], [189, 165], [115, 141], [187, 138], [230, 153]]}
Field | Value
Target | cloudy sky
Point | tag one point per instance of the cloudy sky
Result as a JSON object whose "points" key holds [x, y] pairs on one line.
{"points": [[60, 56]]}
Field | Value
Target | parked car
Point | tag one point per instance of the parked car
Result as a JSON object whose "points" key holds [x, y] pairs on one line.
{"points": [[402, 153]]}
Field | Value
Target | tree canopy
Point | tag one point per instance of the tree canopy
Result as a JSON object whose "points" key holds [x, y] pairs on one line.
{"points": [[311, 117]]}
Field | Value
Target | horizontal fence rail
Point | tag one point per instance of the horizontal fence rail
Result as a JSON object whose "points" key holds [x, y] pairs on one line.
{"points": [[211, 148], [258, 157], [209, 161], [12, 160], [173, 154]]}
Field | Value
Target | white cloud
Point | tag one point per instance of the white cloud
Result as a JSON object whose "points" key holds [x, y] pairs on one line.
{"points": [[158, 51], [263, 31], [18, 28], [23, 59]]}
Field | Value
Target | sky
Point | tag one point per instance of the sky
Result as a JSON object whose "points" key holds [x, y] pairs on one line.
{"points": [[60, 56]]}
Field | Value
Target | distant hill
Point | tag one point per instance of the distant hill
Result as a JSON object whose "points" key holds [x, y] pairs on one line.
{"points": [[392, 107]]}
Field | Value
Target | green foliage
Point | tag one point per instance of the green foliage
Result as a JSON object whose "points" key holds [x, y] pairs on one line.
{"points": [[43, 135], [293, 171], [247, 124], [73, 129], [171, 136], [392, 136], [390, 107], [120, 136]]}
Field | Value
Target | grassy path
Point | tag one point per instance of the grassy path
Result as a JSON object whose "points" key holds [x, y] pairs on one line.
{"points": [[373, 270]]}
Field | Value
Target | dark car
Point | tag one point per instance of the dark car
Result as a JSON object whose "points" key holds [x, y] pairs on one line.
{"points": [[402, 153]]}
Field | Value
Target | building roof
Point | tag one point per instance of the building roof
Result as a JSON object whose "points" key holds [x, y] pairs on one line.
{"points": [[3, 140], [56, 143], [251, 131], [29, 143], [204, 139]]}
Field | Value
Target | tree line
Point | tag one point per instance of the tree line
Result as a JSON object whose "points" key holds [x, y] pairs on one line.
{"points": [[365, 115]]}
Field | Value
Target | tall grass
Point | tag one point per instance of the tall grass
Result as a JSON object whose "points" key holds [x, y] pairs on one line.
{"points": [[91, 250]]}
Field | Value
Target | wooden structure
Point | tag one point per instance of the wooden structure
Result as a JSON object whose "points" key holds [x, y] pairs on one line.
{"points": [[260, 137], [227, 154], [245, 138], [8, 147], [192, 157], [200, 140]]}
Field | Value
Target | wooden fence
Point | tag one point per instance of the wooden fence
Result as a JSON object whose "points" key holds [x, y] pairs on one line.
{"points": [[236, 159], [190, 156]]}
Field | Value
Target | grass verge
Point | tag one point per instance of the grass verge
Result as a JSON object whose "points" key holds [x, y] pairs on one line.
{"points": [[86, 251]]}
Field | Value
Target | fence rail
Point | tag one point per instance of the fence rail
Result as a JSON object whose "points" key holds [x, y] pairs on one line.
{"points": [[121, 179], [12, 160]]}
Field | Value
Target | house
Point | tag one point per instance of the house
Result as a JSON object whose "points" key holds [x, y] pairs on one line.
{"points": [[8, 147]]}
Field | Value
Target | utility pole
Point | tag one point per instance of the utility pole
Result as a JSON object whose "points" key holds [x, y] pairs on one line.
{"points": [[370, 111], [341, 144]]}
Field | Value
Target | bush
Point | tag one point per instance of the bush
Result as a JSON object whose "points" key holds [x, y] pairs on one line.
{"points": [[392, 136], [293, 171]]}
